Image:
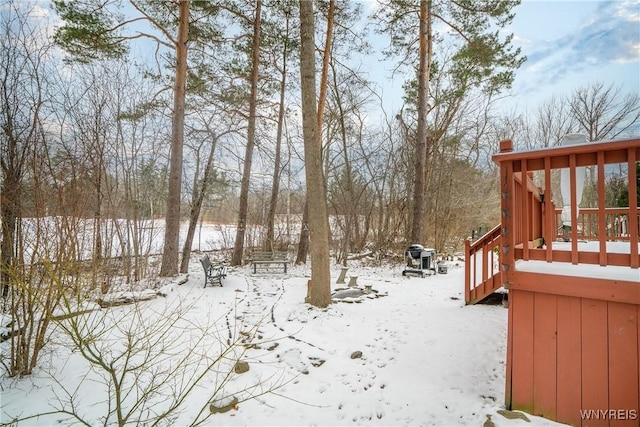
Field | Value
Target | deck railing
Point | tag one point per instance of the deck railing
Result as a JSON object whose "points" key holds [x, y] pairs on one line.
{"points": [[531, 222], [526, 218], [574, 294], [482, 270], [482, 275], [616, 224]]}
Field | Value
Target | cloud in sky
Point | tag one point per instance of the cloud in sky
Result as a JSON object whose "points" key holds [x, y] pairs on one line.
{"points": [[609, 35]]}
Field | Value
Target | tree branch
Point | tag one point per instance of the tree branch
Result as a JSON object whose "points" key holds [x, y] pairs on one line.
{"points": [[154, 22]]}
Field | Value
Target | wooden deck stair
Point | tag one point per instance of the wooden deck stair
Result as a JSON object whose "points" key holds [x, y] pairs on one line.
{"points": [[482, 258], [482, 272]]}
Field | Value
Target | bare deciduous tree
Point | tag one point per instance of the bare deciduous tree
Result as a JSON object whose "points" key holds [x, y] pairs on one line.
{"points": [[286, 44], [24, 50], [203, 183], [140, 371], [604, 112]]}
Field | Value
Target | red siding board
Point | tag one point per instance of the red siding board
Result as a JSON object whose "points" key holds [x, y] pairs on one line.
{"points": [[544, 356], [623, 364], [595, 363], [569, 382], [522, 360], [509, 357], [509, 374]]}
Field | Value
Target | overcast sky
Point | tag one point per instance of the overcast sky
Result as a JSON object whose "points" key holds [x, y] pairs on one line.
{"points": [[571, 44], [568, 44]]}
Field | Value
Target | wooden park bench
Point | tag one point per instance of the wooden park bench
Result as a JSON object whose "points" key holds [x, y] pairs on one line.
{"points": [[259, 258], [213, 273]]}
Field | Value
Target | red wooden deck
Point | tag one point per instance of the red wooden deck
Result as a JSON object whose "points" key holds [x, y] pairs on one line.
{"points": [[573, 350]]}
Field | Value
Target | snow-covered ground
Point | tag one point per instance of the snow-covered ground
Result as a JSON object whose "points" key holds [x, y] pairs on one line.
{"points": [[426, 358]]}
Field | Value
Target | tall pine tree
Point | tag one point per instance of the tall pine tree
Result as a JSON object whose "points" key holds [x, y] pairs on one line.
{"points": [[95, 29], [483, 58]]}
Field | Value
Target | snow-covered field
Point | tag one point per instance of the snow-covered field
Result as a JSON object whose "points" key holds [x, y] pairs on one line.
{"points": [[426, 358]]}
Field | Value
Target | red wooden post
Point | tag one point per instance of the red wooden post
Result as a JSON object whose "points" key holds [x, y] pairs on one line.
{"points": [[602, 219], [507, 261], [526, 215], [506, 146], [508, 226], [633, 206], [550, 211], [574, 209], [468, 272]]}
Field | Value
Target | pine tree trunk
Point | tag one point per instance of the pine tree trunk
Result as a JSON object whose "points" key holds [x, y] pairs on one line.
{"points": [[238, 248], [421, 137], [169, 265], [319, 291]]}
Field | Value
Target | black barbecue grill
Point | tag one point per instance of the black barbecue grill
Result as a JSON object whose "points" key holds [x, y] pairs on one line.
{"points": [[419, 261]]}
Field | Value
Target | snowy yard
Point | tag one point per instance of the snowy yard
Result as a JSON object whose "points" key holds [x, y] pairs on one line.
{"points": [[426, 359]]}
